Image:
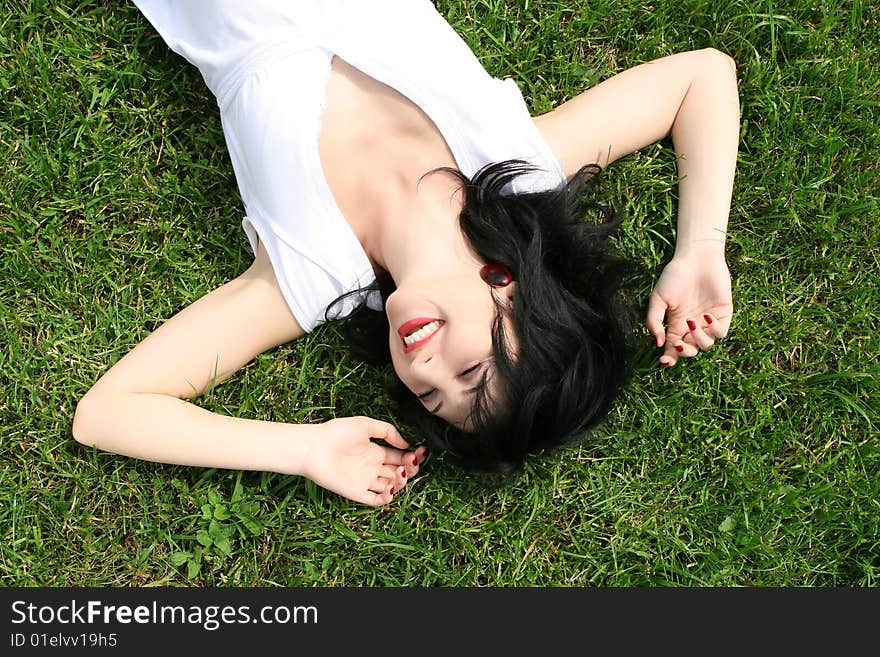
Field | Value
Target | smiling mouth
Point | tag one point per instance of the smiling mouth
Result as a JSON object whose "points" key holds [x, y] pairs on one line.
{"points": [[417, 332]]}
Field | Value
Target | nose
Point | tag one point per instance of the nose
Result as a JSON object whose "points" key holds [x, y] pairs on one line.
{"points": [[424, 363], [427, 368]]}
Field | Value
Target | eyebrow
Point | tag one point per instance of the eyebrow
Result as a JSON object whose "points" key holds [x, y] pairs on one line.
{"points": [[469, 391], [481, 382]]}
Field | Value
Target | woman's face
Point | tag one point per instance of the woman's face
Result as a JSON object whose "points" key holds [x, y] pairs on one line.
{"points": [[441, 339]]}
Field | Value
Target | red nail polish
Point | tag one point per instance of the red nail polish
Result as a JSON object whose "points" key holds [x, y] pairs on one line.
{"points": [[391, 492], [708, 319], [415, 460], [679, 347], [692, 325], [403, 472]]}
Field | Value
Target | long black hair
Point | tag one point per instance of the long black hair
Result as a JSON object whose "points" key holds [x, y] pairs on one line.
{"points": [[573, 328]]}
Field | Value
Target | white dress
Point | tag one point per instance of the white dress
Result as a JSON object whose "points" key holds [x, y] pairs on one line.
{"points": [[268, 61]]}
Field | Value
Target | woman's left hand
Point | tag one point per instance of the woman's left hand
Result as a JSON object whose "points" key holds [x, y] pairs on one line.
{"points": [[694, 295]]}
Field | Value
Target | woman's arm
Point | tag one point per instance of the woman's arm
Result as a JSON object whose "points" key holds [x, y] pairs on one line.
{"points": [[693, 96], [139, 408]]}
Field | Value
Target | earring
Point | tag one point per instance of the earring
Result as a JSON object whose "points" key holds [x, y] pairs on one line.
{"points": [[496, 275]]}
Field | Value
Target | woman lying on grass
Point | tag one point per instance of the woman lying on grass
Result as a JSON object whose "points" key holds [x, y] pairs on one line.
{"points": [[387, 176]]}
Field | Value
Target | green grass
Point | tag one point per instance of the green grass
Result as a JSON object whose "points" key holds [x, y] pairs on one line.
{"points": [[755, 464]]}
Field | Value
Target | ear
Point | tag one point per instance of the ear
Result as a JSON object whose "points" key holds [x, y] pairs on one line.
{"points": [[505, 294]]}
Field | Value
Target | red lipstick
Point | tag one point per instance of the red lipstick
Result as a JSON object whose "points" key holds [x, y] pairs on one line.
{"points": [[414, 325]]}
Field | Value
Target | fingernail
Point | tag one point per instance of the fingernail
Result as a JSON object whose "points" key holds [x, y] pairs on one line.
{"points": [[679, 348], [708, 319], [692, 325], [391, 492], [403, 472], [415, 460]]}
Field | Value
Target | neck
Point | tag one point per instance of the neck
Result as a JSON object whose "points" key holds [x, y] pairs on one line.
{"points": [[419, 233]]}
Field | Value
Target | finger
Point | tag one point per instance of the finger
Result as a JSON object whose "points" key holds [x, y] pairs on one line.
{"points": [[409, 460], [396, 474], [686, 349], [394, 456], [676, 329], [414, 460], [385, 431], [674, 343], [699, 336], [671, 353], [717, 326], [376, 499], [677, 348], [406, 471], [654, 321], [382, 484], [383, 490]]}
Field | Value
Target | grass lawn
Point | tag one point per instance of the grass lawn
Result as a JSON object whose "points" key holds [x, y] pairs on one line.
{"points": [[755, 464]]}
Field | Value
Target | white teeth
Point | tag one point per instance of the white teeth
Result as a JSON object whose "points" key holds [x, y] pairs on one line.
{"points": [[422, 333]]}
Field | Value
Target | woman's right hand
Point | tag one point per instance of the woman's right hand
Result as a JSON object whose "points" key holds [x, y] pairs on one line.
{"points": [[344, 458]]}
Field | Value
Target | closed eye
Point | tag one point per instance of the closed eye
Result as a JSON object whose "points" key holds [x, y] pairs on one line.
{"points": [[463, 375], [470, 370]]}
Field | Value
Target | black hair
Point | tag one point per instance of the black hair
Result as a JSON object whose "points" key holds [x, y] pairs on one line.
{"points": [[573, 329]]}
